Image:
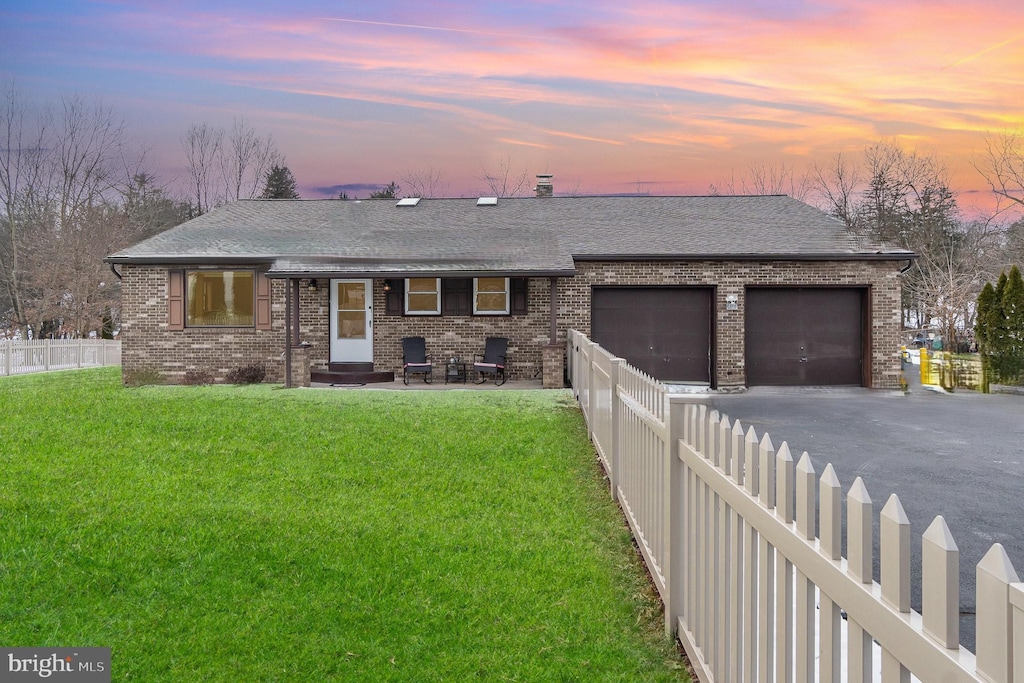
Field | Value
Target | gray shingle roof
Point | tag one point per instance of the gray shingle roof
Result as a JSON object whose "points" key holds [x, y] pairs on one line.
{"points": [[521, 235]]}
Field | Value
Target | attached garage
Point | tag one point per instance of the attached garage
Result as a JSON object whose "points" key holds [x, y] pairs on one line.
{"points": [[664, 331], [811, 336]]}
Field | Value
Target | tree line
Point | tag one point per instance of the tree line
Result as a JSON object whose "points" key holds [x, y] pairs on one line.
{"points": [[73, 190], [902, 198]]}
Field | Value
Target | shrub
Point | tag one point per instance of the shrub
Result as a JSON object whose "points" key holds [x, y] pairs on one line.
{"points": [[247, 374], [143, 376], [197, 378]]}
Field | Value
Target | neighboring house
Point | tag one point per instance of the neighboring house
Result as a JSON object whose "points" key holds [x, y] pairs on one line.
{"points": [[721, 291]]}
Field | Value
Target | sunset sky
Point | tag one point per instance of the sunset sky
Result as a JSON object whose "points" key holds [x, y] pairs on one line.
{"points": [[660, 97]]}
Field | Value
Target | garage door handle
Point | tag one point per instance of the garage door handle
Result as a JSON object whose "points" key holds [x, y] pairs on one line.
{"points": [[803, 356]]}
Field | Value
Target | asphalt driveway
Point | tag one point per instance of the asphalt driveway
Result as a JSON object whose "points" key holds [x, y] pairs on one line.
{"points": [[958, 455]]}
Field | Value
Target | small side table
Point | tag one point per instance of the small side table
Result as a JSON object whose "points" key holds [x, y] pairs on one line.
{"points": [[454, 371]]}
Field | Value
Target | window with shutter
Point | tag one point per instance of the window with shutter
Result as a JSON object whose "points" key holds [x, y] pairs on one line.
{"points": [[490, 296], [423, 296], [220, 298], [175, 300]]}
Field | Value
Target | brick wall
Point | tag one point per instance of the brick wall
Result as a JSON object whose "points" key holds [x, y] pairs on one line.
{"points": [[148, 344], [464, 335], [732, 278]]}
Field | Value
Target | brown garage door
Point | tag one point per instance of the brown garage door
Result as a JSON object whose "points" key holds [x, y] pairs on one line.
{"points": [[805, 336], [664, 331]]}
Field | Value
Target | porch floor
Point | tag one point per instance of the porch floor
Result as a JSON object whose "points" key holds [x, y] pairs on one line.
{"points": [[437, 384]]}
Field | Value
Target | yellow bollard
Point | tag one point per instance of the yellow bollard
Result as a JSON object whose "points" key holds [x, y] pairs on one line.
{"points": [[926, 369]]}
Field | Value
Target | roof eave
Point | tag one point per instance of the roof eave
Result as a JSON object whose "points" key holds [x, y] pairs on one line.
{"points": [[824, 256], [387, 274], [186, 260]]}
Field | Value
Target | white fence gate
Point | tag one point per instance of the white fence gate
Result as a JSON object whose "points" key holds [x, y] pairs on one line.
{"points": [[23, 357], [751, 585]]}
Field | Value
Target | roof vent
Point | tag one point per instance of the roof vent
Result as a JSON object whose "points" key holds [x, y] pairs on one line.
{"points": [[487, 201], [408, 201]]}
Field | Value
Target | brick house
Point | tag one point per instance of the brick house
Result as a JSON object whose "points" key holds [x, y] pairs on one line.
{"points": [[721, 291]]}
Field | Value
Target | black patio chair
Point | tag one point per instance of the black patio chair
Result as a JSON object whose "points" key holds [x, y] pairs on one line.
{"points": [[415, 359], [493, 361]]}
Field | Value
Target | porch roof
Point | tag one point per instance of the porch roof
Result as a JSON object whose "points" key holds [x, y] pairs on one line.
{"points": [[288, 267]]}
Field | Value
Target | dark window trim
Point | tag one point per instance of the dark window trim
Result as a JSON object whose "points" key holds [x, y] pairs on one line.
{"points": [[457, 298]]}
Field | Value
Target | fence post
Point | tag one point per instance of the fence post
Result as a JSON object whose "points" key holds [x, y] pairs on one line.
{"points": [[940, 584], [858, 562], [1017, 624], [613, 452], [591, 394], [995, 573], [675, 562], [7, 358], [830, 533]]}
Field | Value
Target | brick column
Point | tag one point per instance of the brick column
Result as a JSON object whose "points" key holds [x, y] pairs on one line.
{"points": [[300, 366], [554, 365]]}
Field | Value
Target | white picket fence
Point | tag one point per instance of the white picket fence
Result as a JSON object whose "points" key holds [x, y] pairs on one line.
{"points": [[726, 524], [23, 357]]}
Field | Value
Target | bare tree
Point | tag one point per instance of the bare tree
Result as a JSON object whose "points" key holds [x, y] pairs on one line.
{"points": [[224, 167], [949, 274], [202, 145], [426, 183], [1002, 167], [837, 186], [87, 149], [902, 198], [505, 180], [765, 178], [64, 208], [246, 160], [22, 174]]}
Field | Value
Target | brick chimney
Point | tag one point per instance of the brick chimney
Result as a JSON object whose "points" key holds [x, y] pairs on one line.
{"points": [[544, 187]]}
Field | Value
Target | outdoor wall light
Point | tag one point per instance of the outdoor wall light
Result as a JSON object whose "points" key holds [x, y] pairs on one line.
{"points": [[312, 286], [387, 286]]}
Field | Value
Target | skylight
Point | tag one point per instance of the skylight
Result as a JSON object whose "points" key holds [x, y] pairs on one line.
{"points": [[408, 201], [487, 201]]}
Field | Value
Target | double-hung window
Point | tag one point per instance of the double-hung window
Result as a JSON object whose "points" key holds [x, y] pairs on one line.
{"points": [[457, 296], [490, 296], [423, 296]]}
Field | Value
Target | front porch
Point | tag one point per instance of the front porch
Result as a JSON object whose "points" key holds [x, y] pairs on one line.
{"points": [[314, 319]]}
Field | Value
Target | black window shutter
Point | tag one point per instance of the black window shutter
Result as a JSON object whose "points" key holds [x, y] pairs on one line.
{"points": [[519, 291], [456, 296], [396, 297]]}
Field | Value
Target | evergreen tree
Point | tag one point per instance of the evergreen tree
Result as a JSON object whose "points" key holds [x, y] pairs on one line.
{"points": [[280, 184], [987, 313], [1012, 303], [1000, 327]]}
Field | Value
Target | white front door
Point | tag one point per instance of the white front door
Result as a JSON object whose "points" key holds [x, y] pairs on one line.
{"points": [[351, 321]]}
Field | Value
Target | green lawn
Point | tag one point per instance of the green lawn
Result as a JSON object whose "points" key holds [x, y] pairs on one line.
{"points": [[255, 534]]}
